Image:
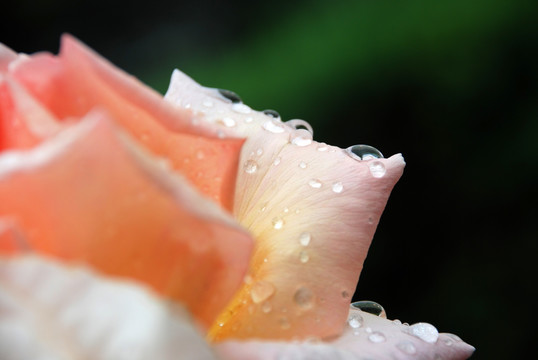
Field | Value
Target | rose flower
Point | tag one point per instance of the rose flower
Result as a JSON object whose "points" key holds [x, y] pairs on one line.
{"points": [[132, 226]]}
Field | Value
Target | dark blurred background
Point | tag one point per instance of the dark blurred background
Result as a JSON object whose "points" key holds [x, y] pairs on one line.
{"points": [[451, 84]]}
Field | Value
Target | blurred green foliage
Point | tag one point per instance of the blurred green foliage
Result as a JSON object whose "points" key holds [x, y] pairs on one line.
{"points": [[451, 84]]}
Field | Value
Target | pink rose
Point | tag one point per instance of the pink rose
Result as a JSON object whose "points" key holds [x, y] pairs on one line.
{"points": [[129, 202]]}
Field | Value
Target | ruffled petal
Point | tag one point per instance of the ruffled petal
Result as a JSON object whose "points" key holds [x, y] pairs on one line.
{"points": [[52, 311], [89, 194]]}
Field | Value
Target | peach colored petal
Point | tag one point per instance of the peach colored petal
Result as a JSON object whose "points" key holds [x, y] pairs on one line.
{"points": [[78, 80], [370, 337], [52, 311], [313, 211], [91, 195]]}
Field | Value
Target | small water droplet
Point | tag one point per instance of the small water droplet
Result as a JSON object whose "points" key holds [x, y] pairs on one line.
{"points": [[396, 322], [304, 238], [207, 103], [298, 123], [249, 119], [370, 307], [284, 323], [227, 121], [264, 207], [259, 151], [250, 166], [273, 127], [355, 320], [315, 183], [424, 331], [377, 337], [304, 257], [241, 108], [407, 347], [248, 279], [338, 187], [377, 169], [272, 113], [304, 297], [302, 165], [301, 138], [323, 147], [363, 152], [277, 160], [448, 342], [267, 307], [261, 291], [278, 223], [368, 330], [230, 95]]}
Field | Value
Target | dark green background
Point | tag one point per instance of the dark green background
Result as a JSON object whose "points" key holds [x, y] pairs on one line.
{"points": [[451, 84]]}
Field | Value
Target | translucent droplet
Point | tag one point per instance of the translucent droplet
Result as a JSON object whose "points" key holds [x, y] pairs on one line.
{"points": [[284, 323], [363, 152], [267, 307], [377, 337], [227, 121], [272, 113], [304, 257], [424, 331], [278, 223], [322, 148], [241, 108], [355, 320], [259, 151], [250, 166], [273, 127], [377, 169], [301, 138], [249, 119], [304, 297], [315, 183], [407, 347], [304, 238], [338, 187], [230, 95], [277, 160], [261, 291], [448, 342], [298, 123], [302, 165], [370, 307], [207, 103], [396, 322]]}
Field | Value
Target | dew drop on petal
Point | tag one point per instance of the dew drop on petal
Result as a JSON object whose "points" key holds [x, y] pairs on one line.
{"points": [[304, 238], [377, 169], [207, 103], [200, 154], [278, 223], [302, 165], [370, 307], [250, 166], [259, 151], [277, 160], [407, 347], [249, 119], [267, 307], [227, 121], [315, 183], [377, 337], [304, 257], [424, 331], [363, 152], [355, 320], [304, 297], [338, 187], [241, 108], [273, 127], [323, 148], [298, 123], [301, 138], [284, 323], [230, 95], [261, 291]]}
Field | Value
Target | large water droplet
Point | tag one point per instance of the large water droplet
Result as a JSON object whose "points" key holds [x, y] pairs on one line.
{"points": [[304, 238], [272, 113], [241, 108], [304, 297], [261, 291], [273, 127], [315, 183], [370, 307], [355, 320], [377, 169], [363, 152], [407, 347], [301, 138], [250, 166], [424, 331], [338, 187], [304, 257], [230, 95], [377, 337], [298, 123]]}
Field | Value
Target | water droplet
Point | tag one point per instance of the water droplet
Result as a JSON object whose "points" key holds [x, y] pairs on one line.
{"points": [[207, 103], [302, 165], [304, 257], [278, 223], [301, 138], [250, 166], [355, 320], [298, 123], [227, 121], [454, 337], [377, 169], [448, 342], [200, 154], [261, 291], [424, 331], [368, 330], [323, 147], [273, 127], [259, 151], [248, 279], [267, 307], [304, 297], [363, 152], [377, 337], [304, 238], [272, 113], [249, 119], [315, 183], [338, 187], [241, 108], [396, 322], [284, 323], [230, 95], [407, 347], [277, 160], [264, 207], [370, 307]]}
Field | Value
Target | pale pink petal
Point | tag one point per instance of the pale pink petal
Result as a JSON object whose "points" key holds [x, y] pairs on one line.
{"points": [[52, 311], [6, 57]]}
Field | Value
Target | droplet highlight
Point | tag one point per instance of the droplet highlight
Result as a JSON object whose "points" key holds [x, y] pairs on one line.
{"points": [[304, 297], [277, 160], [241, 108], [377, 169], [377, 337], [278, 223], [301, 138], [250, 166], [272, 113], [298, 123], [424, 331], [304, 257], [273, 127], [355, 320], [363, 152], [315, 183], [338, 187], [261, 291], [302, 165], [370, 307], [227, 121], [304, 238], [407, 347]]}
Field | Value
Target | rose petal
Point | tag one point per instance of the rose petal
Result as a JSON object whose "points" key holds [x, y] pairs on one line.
{"points": [[6, 56], [313, 211], [370, 337], [113, 207], [78, 80], [48, 311], [12, 240]]}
